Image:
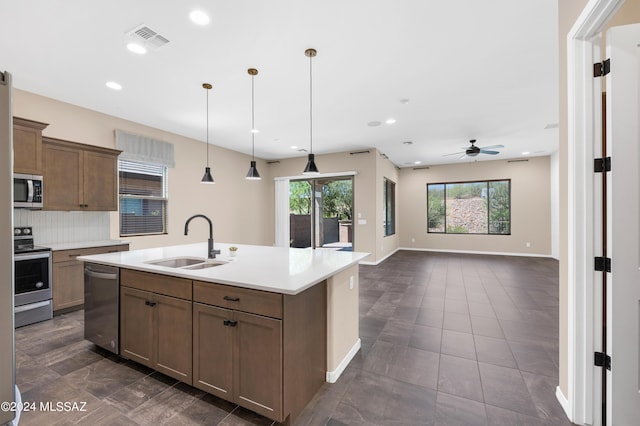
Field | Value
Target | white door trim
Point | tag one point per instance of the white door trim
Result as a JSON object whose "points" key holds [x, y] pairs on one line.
{"points": [[581, 41]]}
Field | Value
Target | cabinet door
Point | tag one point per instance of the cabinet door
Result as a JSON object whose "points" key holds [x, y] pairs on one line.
{"points": [[172, 337], [68, 284], [100, 190], [213, 350], [136, 325], [258, 370], [62, 178], [27, 150]]}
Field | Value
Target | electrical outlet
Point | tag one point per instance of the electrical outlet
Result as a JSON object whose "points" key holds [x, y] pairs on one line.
{"points": [[413, 240], [528, 244], [351, 282]]}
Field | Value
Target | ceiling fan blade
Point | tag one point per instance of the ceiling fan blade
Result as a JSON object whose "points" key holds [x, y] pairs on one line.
{"points": [[462, 156], [453, 153], [484, 151], [492, 147]]}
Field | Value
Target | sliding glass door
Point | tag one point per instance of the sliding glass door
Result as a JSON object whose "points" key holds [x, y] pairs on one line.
{"points": [[321, 212]]}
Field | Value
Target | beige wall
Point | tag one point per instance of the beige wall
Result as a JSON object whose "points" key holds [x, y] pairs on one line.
{"points": [[367, 188], [234, 204], [530, 207], [342, 316], [568, 12], [386, 245]]}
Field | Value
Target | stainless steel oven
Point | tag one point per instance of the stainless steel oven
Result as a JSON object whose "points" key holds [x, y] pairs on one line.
{"points": [[32, 282]]}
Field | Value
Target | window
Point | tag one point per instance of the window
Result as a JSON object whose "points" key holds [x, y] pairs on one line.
{"points": [[469, 207], [143, 198], [389, 195]]}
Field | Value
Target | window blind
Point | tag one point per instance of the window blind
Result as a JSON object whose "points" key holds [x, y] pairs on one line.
{"points": [[143, 198]]}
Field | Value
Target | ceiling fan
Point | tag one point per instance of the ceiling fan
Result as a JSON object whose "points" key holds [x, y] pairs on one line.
{"points": [[474, 150]]}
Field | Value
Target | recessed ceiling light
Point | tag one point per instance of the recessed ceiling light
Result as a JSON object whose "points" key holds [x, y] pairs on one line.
{"points": [[113, 85], [526, 153], [255, 131], [391, 121], [374, 123], [417, 162], [293, 147], [137, 48], [199, 17], [407, 143]]}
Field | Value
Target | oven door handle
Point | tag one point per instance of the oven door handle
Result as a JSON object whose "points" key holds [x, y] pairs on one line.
{"points": [[42, 255], [31, 306], [101, 275]]}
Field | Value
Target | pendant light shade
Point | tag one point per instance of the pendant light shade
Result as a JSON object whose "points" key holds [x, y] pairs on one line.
{"points": [[252, 174], [207, 177], [311, 168]]}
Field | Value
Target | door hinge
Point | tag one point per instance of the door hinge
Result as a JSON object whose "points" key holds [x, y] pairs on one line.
{"points": [[601, 359], [601, 69], [601, 165], [603, 264]]}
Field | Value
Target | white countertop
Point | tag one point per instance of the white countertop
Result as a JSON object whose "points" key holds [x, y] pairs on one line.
{"points": [[84, 244], [277, 269]]}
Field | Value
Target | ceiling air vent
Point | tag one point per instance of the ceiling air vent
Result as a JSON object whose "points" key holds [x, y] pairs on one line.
{"points": [[148, 37]]}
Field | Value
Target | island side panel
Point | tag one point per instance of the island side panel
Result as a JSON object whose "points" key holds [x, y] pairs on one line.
{"points": [[305, 348], [343, 322]]}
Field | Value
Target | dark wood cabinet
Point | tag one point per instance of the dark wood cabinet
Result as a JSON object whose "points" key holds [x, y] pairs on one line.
{"points": [[27, 146], [238, 357], [261, 350], [68, 276], [79, 177], [155, 328]]}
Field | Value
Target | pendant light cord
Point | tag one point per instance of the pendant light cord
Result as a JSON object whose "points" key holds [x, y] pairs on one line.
{"points": [[310, 106], [207, 127], [253, 127]]}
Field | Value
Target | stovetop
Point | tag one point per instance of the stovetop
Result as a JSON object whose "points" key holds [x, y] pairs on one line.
{"points": [[23, 241]]}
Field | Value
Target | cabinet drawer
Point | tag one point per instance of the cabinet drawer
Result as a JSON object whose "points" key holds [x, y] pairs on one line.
{"points": [[156, 283], [67, 255], [241, 299]]}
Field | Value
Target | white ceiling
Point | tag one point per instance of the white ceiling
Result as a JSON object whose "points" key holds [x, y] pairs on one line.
{"points": [[486, 70]]}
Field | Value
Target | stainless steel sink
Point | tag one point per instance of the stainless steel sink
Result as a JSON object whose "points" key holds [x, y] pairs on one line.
{"points": [[205, 265], [177, 262], [187, 262]]}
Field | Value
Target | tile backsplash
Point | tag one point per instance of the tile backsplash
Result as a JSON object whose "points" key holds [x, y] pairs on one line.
{"points": [[52, 227]]}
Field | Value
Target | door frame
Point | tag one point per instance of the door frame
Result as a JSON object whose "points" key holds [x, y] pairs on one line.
{"points": [[282, 202], [583, 46]]}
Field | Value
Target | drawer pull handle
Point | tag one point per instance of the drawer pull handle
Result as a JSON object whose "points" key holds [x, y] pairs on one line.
{"points": [[231, 299], [149, 303], [230, 323]]}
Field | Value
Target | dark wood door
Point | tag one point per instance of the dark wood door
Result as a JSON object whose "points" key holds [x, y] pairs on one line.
{"points": [[136, 325], [100, 190], [27, 147], [63, 188], [258, 368], [213, 351], [172, 337]]}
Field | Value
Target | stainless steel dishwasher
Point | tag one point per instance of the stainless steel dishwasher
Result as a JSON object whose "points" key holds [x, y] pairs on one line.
{"points": [[101, 306]]}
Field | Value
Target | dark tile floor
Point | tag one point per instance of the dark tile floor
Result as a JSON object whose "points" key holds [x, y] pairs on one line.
{"points": [[447, 339]]}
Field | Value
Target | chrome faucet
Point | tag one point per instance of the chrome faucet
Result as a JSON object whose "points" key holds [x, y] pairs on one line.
{"points": [[211, 253]]}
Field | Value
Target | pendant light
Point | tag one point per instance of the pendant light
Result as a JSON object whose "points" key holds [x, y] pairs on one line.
{"points": [[207, 178], [252, 174], [311, 168]]}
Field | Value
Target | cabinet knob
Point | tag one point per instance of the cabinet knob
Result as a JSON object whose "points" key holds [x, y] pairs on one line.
{"points": [[231, 299]]}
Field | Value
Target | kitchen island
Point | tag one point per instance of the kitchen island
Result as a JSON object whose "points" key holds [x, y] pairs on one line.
{"points": [[264, 328]]}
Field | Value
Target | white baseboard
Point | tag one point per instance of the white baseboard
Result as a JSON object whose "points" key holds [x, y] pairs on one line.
{"points": [[362, 262], [492, 253], [333, 376], [564, 403]]}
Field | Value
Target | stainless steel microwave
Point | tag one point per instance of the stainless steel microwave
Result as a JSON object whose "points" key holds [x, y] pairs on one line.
{"points": [[27, 191]]}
